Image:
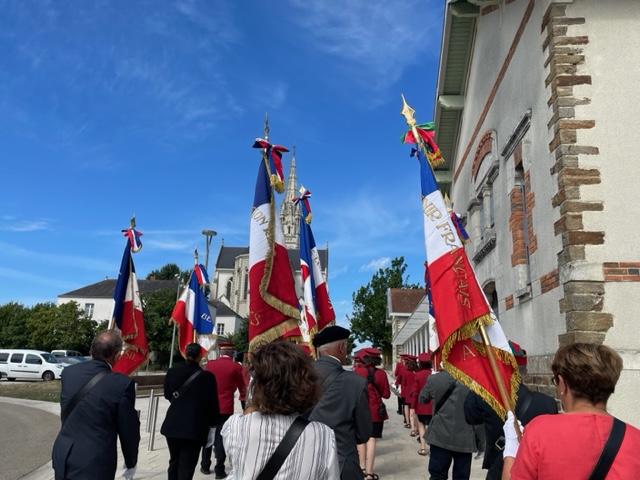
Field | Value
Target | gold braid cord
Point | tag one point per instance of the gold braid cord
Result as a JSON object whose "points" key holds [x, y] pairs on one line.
{"points": [[291, 323], [466, 332]]}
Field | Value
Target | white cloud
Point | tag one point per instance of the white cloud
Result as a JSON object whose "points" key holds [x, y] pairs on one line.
{"points": [[376, 264], [25, 225], [376, 40]]}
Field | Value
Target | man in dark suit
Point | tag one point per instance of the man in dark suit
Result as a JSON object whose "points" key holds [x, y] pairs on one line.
{"points": [[193, 412], [528, 406], [86, 446], [229, 378], [344, 405]]}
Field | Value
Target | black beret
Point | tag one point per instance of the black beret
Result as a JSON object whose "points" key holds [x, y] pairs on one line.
{"points": [[330, 334]]}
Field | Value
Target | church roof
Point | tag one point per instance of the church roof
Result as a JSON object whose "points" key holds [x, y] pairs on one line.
{"points": [[404, 300], [105, 288], [222, 309], [227, 257]]}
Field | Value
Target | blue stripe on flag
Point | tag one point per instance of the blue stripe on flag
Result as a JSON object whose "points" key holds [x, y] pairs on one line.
{"points": [[428, 181], [202, 321], [120, 293], [263, 186], [307, 243]]}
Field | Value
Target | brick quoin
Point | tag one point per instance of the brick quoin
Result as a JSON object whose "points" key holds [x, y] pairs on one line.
{"points": [[508, 302], [489, 9], [530, 200], [550, 281], [484, 147], [516, 226]]}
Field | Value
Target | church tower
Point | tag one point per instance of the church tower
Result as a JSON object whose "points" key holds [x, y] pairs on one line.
{"points": [[290, 212]]}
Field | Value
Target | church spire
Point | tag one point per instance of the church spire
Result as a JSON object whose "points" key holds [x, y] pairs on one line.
{"points": [[289, 211]]}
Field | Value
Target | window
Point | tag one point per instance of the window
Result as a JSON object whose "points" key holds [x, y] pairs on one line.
{"points": [[4, 357], [246, 283], [229, 285], [220, 329], [33, 360], [17, 358], [88, 309]]}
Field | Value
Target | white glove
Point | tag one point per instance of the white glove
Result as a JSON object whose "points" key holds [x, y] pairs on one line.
{"points": [[129, 473], [211, 437], [511, 443]]}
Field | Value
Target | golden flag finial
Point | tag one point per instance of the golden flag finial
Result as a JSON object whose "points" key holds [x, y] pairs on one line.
{"points": [[132, 222], [408, 112], [266, 126], [447, 202]]}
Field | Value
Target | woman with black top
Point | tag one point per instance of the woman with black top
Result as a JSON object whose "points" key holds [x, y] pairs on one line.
{"points": [[193, 412]]}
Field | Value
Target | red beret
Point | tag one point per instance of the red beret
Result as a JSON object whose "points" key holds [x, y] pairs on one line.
{"points": [[226, 345], [373, 352], [424, 357], [412, 357]]}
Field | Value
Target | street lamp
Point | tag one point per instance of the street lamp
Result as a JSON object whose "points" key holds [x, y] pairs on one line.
{"points": [[209, 234]]}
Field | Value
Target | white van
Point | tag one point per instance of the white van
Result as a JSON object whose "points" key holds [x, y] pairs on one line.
{"points": [[29, 364]]}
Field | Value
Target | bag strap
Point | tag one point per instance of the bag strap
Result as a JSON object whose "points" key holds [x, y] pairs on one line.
{"points": [[609, 451], [371, 378], [445, 397], [80, 394], [284, 448], [185, 385], [524, 406]]}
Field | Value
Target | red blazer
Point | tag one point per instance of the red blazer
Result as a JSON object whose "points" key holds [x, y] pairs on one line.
{"points": [[419, 382], [407, 385], [397, 372], [382, 384], [229, 379]]}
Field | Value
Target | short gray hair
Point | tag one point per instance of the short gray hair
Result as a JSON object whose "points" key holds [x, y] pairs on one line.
{"points": [[105, 344]]}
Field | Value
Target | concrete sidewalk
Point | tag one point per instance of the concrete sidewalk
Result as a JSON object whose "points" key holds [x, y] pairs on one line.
{"points": [[397, 453]]}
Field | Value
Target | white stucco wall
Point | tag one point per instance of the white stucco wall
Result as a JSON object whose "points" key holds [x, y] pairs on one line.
{"points": [[103, 308]]}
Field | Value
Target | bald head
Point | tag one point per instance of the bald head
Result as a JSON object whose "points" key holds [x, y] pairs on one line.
{"points": [[107, 346]]}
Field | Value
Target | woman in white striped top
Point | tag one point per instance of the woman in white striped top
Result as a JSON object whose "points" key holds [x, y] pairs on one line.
{"points": [[284, 385]]}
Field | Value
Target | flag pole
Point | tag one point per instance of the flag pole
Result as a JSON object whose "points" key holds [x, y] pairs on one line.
{"points": [[195, 263], [408, 113]]}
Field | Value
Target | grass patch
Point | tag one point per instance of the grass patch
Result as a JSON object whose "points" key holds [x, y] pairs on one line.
{"points": [[45, 391]]}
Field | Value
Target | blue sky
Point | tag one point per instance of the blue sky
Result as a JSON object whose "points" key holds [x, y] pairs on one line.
{"points": [[110, 108]]}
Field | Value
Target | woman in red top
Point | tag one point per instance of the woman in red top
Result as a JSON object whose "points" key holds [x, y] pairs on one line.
{"points": [[423, 410], [378, 389], [408, 379], [568, 446]]}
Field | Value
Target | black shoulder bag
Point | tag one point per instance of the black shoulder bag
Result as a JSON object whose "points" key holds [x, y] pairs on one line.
{"points": [[185, 385], [382, 408], [287, 443], [445, 397], [80, 394], [609, 451]]}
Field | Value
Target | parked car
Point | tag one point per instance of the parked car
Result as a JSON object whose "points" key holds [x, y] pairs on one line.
{"points": [[66, 353], [72, 360], [29, 364]]}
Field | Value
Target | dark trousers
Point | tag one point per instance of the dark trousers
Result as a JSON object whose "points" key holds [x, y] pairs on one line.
{"points": [[400, 405], [440, 460], [218, 447], [183, 458]]}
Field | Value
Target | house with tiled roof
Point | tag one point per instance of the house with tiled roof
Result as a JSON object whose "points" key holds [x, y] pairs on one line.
{"points": [[97, 302], [401, 305]]}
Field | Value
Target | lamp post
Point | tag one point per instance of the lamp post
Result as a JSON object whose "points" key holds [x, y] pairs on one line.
{"points": [[209, 234]]}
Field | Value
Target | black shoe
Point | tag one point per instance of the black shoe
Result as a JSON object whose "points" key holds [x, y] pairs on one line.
{"points": [[205, 471], [221, 475]]}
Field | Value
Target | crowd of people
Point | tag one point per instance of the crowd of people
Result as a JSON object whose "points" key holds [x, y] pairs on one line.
{"points": [[307, 419]]}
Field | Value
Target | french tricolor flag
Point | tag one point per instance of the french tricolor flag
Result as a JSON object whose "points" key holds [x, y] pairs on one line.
{"points": [[201, 273], [459, 304], [127, 316], [193, 318], [273, 304], [318, 310]]}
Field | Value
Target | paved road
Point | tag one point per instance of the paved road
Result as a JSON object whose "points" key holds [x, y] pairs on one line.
{"points": [[28, 434]]}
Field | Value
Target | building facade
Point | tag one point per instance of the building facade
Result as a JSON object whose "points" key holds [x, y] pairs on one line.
{"points": [[535, 116]]}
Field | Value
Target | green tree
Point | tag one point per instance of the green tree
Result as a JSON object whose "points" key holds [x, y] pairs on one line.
{"points": [[13, 325], [368, 319], [65, 326], [167, 272], [157, 308], [240, 339]]}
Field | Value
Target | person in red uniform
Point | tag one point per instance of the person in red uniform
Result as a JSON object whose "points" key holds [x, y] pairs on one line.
{"points": [[229, 378], [423, 411], [397, 375], [378, 389], [408, 378]]}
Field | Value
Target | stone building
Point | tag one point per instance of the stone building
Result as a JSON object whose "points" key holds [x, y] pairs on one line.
{"points": [[535, 115], [230, 282]]}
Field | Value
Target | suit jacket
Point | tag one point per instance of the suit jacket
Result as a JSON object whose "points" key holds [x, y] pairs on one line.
{"points": [[196, 410], [229, 378], [86, 446], [344, 407], [448, 428], [477, 412]]}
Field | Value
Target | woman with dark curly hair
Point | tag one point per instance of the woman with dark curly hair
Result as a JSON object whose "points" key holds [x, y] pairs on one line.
{"points": [[284, 385], [569, 446]]}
